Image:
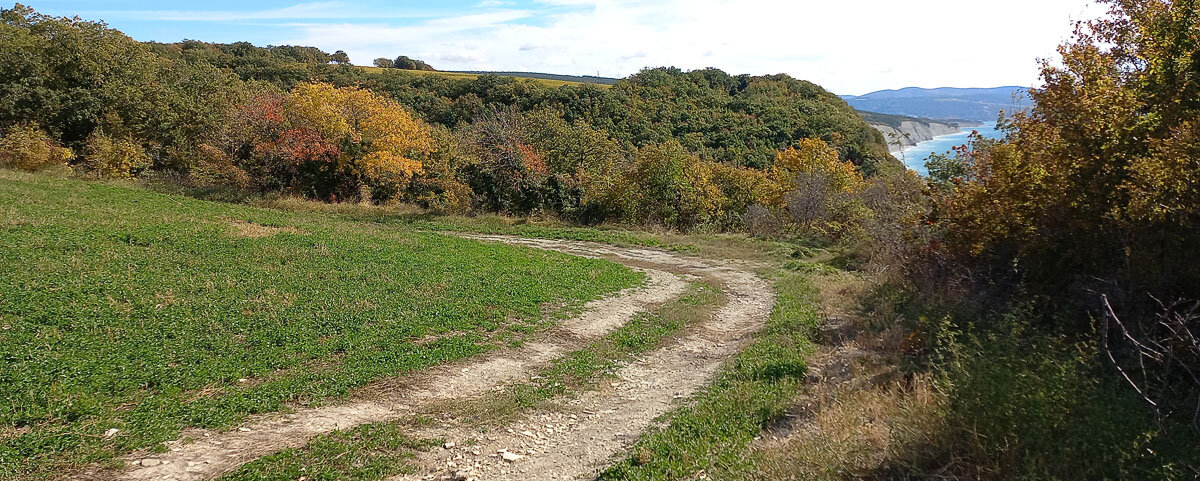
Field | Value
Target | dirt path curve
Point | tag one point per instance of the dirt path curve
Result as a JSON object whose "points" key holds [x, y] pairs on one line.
{"points": [[211, 453], [577, 442]]}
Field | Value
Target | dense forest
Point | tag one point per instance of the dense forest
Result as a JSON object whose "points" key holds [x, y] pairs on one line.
{"points": [[1048, 279], [261, 119]]}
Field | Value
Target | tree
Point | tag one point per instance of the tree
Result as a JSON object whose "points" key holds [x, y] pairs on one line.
{"points": [[666, 185], [506, 171], [340, 57], [1099, 184], [326, 142], [384, 62], [72, 77], [381, 145], [816, 189], [405, 63]]}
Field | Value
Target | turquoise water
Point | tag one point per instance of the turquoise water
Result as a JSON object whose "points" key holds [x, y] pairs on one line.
{"points": [[914, 157]]}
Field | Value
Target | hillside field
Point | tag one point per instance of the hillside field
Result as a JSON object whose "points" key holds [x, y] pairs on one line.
{"points": [[146, 313], [545, 82]]}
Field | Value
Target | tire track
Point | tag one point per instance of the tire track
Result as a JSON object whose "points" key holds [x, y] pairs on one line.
{"points": [[212, 453], [582, 439]]}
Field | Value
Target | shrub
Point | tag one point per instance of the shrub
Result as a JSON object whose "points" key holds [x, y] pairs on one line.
{"points": [[115, 158], [740, 189], [1025, 404], [213, 168], [27, 147], [892, 234]]}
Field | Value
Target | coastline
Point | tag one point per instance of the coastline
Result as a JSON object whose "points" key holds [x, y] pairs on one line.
{"points": [[914, 157]]}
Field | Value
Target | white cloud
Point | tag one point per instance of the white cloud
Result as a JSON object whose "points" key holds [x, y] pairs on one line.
{"points": [[848, 46], [309, 11]]}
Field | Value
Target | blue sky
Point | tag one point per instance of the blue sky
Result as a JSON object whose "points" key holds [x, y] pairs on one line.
{"points": [[848, 46]]}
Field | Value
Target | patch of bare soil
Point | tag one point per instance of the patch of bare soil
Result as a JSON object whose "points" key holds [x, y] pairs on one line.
{"points": [[241, 228], [583, 437], [207, 454]]}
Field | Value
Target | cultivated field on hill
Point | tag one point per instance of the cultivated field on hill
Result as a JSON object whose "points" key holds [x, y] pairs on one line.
{"points": [[545, 82]]}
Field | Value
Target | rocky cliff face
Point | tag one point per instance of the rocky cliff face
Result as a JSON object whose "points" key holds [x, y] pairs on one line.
{"points": [[911, 132]]}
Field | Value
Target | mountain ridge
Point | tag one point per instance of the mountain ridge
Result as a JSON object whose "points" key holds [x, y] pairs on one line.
{"points": [[944, 103]]}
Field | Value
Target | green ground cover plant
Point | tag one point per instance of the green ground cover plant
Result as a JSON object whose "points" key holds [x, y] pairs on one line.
{"points": [[146, 313]]}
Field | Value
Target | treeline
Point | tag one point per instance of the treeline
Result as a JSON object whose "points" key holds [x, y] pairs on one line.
{"points": [[681, 149], [404, 63]]}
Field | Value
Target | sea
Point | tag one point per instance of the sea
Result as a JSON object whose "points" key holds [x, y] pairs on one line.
{"points": [[914, 157]]}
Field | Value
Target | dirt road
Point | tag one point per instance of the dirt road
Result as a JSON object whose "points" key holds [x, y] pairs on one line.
{"points": [[571, 444]]}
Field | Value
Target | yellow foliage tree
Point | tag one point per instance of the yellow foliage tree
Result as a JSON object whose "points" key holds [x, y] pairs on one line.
{"points": [[115, 158], [814, 189], [29, 148], [381, 145], [813, 156]]}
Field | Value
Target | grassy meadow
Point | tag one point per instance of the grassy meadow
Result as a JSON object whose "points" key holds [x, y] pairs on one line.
{"points": [[146, 313]]}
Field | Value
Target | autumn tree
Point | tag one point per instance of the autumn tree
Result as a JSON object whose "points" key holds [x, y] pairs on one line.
{"points": [[667, 185], [27, 147], [380, 145], [1086, 218], [323, 141], [815, 189], [1099, 184]]}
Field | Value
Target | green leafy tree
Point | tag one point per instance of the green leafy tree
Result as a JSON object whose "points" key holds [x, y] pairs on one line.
{"points": [[667, 185]]}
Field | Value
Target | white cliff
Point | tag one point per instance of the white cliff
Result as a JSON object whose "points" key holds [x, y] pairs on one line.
{"points": [[911, 132]]}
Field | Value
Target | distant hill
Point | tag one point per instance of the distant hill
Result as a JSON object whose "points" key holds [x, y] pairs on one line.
{"points": [[893, 120], [587, 79], [962, 104]]}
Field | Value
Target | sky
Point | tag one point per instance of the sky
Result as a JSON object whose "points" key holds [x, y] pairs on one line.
{"points": [[847, 46]]}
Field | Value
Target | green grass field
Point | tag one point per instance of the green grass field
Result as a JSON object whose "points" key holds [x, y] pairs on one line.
{"points": [[144, 312]]}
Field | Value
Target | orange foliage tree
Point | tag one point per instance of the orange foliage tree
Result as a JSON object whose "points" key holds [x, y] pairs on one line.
{"points": [[1098, 187], [324, 141]]}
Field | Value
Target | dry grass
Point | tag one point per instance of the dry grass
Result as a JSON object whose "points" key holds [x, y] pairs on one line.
{"points": [[241, 228], [858, 433], [861, 416]]}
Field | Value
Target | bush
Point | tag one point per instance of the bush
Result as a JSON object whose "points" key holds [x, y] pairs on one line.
{"points": [[1025, 404], [27, 147], [215, 169], [114, 158]]}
